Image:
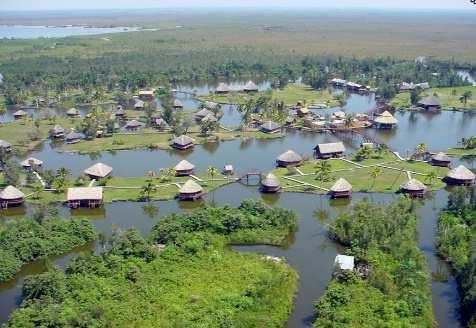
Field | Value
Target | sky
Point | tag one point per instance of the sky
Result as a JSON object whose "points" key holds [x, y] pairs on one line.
{"points": [[139, 4]]}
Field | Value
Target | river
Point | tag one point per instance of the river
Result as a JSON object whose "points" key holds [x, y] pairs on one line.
{"points": [[35, 32]]}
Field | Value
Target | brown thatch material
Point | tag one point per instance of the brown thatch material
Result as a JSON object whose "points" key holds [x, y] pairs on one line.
{"points": [[289, 158], [430, 101], [386, 118], [84, 193], [72, 112], [270, 127], [341, 189], [211, 105], [184, 168], [161, 123], [222, 88], [183, 142], [11, 193], [270, 183], [414, 188], [138, 104], [133, 125], [73, 137], [460, 176], [330, 148], [178, 104], [29, 161], [209, 118], [250, 87], [98, 170], [202, 114], [57, 131], [190, 187], [120, 113], [440, 159]]}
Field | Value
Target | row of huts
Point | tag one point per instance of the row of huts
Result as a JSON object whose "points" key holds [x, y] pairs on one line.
{"points": [[250, 86]]}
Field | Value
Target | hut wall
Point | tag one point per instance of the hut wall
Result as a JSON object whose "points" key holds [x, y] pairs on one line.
{"points": [[190, 196], [341, 194], [5, 203], [183, 173]]}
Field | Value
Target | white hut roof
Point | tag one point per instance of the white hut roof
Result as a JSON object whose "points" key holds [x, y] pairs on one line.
{"points": [[442, 157], [290, 156], [341, 185], [222, 87], [11, 192], [250, 86], [138, 103], [5, 144], [178, 103], [386, 118], [26, 162], [160, 122], [270, 181], [84, 193], [270, 126], [332, 147], [99, 170], [203, 113], [344, 262], [190, 187], [184, 165], [413, 185], [228, 167], [183, 140], [461, 173]]}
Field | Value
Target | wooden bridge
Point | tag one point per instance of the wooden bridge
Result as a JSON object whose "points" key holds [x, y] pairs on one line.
{"points": [[362, 134], [251, 175]]}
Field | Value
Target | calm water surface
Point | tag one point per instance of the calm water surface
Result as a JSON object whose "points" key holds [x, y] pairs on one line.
{"points": [[35, 32]]}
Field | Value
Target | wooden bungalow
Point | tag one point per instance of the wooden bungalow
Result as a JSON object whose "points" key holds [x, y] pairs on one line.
{"points": [[120, 114], [222, 89], [250, 87], [352, 86], [270, 127], [133, 125], [338, 82], [228, 170], [184, 168], [146, 94], [19, 114], [341, 189], [414, 188], [440, 159], [430, 103], [138, 104], [190, 191], [160, 124], [270, 184], [91, 197], [209, 118], [72, 112], [344, 262], [72, 137], [11, 197], [202, 113], [329, 150], [289, 158], [57, 132], [460, 176], [98, 171], [5, 146], [385, 121], [183, 142], [178, 104], [31, 163]]}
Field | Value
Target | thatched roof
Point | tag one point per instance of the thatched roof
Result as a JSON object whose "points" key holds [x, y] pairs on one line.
{"points": [[120, 112], [11, 192], [184, 165], [178, 104], [270, 181], [330, 148], [161, 122], [99, 170], [57, 129], [222, 87], [19, 113], [202, 113], [72, 111], [138, 103], [250, 86], [386, 118], [289, 157], [84, 193], [73, 135], [209, 118], [146, 92], [211, 105], [430, 101], [270, 126], [183, 140], [339, 114], [413, 185], [5, 144], [27, 162], [441, 157], [190, 187], [133, 124], [341, 185], [461, 173]]}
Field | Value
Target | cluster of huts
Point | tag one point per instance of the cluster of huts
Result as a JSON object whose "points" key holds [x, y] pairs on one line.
{"points": [[405, 86], [249, 87], [349, 85]]}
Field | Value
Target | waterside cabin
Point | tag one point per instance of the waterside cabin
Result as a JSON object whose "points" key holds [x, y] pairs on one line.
{"points": [[178, 104], [190, 191], [385, 121], [201, 114], [91, 197], [138, 104], [120, 114], [72, 112], [329, 150], [146, 94], [31, 163], [430, 103], [460, 176], [270, 184], [414, 188], [133, 125], [250, 87], [11, 197], [19, 114], [341, 189], [5, 146], [270, 127], [72, 137], [57, 132], [98, 171], [228, 170], [440, 159], [184, 168], [289, 158], [160, 124], [183, 142], [222, 89]]}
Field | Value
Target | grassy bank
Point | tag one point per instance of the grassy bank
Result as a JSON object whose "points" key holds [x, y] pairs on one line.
{"points": [[194, 280], [394, 288]]}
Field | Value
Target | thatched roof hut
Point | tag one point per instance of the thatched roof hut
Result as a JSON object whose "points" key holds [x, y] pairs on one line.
{"points": [[183, 142], [184, 168], [133, 125], [29, 162], [289, 158], [85, 197], [440, 159], [430, 102], [73, 137], [250, 87], [414, 188], [19, 114], [138, 104], [160, 123], [72, 112], [460, 176], [270, 184], [209, 118], [211, 105], [5, 146], [98, 171], [385, 120], [270, 127], [178, 104], [120, 113], [202, 113], [190, 191], [11, 196], [228, 169], [222, 88], [146, 94], [341, 189], [57, 131], [329, 150]]}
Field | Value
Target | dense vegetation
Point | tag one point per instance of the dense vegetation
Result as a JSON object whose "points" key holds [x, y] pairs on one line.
{"points": [[26, 240], [457, 236], [192, 281], [391, 286]]}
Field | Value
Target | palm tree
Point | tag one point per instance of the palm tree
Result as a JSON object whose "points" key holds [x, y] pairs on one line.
{"points": [[374, 174], [420, 149], [381, 150], [466, 96], [212, 171], [62, 172], [349, 120], [147, 190], [323, 171]]}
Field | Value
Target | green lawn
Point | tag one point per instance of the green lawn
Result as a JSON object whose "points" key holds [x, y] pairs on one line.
{"points": [[450, 97]]}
